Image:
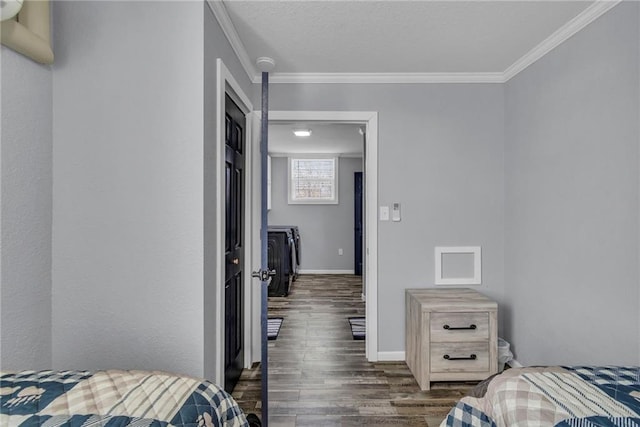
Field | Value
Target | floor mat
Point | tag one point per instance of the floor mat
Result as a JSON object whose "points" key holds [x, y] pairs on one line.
{"points": [[273, 327], [358, 328]]}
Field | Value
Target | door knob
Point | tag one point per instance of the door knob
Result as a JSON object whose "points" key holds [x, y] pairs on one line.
{"points": [[236, 261], [263, 275]]}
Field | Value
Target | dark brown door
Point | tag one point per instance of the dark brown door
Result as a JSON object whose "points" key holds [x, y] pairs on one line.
{"points": [[234, 235], [357, 220]]}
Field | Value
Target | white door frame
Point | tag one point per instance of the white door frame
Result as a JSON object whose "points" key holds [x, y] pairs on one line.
{"points": [[227, 84], [370, 120]]}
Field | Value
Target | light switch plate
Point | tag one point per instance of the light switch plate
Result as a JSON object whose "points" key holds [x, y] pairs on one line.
{"points": [[384, 213]]}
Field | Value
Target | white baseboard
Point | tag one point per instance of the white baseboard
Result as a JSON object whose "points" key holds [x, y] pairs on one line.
{"points": [[391, 356], [326, 271], [515, 364]]}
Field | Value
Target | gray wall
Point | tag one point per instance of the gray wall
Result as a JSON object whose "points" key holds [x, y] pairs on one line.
{"points": [[440, 155], [323, 228], [25, 213], [128, 261], [571, 251]]}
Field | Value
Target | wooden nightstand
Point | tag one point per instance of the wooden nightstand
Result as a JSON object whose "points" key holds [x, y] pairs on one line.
{"points": [[451, 335]]}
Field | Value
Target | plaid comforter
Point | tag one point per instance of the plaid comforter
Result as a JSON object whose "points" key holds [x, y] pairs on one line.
{"points": [[584, 396], [113, 398]]}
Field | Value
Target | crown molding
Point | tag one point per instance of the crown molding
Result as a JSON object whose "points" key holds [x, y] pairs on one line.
{"points": [[586, 17], [221, 14], [395, 78], [590, 14]]}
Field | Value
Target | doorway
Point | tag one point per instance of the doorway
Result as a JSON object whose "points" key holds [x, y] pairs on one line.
{"points": [[312, 193], [230, 295], [369, 121]]}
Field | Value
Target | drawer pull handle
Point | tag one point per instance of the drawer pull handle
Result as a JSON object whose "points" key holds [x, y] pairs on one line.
{"points": [[472, 357], [470, 327]]}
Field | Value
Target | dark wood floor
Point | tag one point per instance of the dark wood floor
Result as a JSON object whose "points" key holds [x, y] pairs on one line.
{"points": [[319, 376]]}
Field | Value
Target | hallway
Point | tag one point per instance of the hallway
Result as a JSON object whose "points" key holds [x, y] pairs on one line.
{"points": [[319, 376]]}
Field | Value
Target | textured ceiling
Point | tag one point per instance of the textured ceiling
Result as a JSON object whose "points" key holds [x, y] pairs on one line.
{"points": [[396, 36], [325, 138]]}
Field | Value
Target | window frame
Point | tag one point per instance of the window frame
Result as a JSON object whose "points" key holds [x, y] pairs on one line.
{"points": [[336, 180]]}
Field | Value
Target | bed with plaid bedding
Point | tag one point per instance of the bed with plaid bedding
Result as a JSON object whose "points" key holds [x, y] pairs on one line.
{"points": [[581, 396], [114, 398]]}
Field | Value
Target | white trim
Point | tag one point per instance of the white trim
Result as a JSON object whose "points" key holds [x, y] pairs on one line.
{"points": [[268, 180], [590, 14], [476, 279], [401, 78], [371, 237], [370, 119], [356, 117], [220, 12], [256, 250], [249, 321], [340, 155], [226, 83], [391, 356], [515, 364], [326, 271]]}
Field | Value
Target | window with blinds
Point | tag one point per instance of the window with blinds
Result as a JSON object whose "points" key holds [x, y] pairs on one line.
{"points": [[313, 180]]}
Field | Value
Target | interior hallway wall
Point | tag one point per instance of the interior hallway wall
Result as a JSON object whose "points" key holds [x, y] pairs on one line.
{"points": [[25, 212], [128, 186]]}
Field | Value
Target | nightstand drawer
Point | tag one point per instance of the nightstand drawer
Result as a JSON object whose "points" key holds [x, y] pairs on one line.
{"points": [[460, 357], [456, 327]]}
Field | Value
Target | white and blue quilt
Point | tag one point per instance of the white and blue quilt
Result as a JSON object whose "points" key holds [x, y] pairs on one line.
{"points": [[581, 396], [114, 398]]}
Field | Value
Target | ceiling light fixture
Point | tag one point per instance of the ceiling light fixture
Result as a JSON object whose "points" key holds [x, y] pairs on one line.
{"points": [[302, 132]]}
